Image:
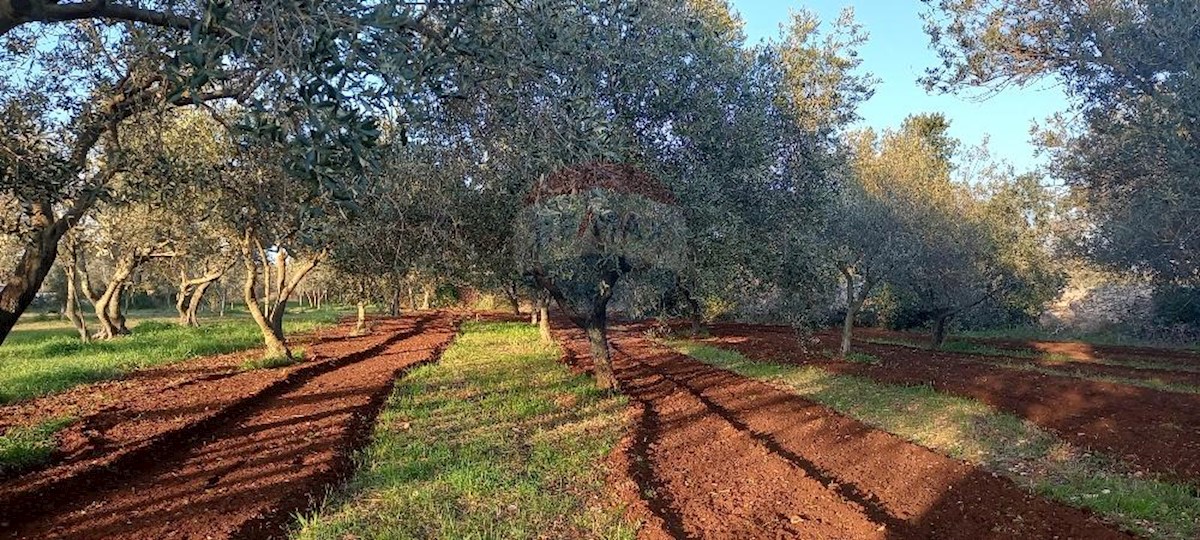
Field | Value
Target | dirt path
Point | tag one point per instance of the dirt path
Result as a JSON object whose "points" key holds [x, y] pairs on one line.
{"points": [[246, 461], [1112, 418], [717, 455]]}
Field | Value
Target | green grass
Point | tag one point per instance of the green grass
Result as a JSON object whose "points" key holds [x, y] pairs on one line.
{"points": [[44, 358], [999, 442], [862, 358], [23, 447], [272, 362], [497, 440]]}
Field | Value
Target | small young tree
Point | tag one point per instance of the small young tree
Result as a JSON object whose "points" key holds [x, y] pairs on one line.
{"points": [[587, 226]]}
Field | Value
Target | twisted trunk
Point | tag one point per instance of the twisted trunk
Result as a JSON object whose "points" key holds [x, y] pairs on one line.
{"points": [[285, 287], [194, 305], [274, 342], [854, 303], [182, 299], [21, 286], [72, 307], [108, 305], [116, 311], [597, 334], [594, 323]]}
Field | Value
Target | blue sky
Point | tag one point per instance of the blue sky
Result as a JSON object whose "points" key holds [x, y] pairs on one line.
{"points": [[897, 54]]}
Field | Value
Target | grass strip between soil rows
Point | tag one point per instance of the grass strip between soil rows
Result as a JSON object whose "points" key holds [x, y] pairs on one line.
{"points": [[1002, 443], [496, 440], [45, 361], [23, 447]]}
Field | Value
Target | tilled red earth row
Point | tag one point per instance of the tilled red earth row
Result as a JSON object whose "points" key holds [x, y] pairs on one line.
{"points": [[1074, 350], [222, 454], [1075, 359], [717, 455], [1154, 430]]}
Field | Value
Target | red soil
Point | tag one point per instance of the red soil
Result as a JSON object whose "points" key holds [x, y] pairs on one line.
{"points": [[1164, 365], [1154, 371], [1112, 418], [717, 455], [199, 450], [1084, 351]]}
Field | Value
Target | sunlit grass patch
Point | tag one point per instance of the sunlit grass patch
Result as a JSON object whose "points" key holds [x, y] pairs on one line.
{"points": [[862, 358], [972, 431], [496, 440], [25, 446], [47, 360]]}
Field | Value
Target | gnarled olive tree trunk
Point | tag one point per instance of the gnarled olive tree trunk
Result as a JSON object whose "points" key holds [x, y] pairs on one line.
{"points": [[274, 342], [593, 321], [107, 304], [271, 325], [72, 307], [191, 293], [854, 303], [41, 249], [285, 287], [596, 328]]}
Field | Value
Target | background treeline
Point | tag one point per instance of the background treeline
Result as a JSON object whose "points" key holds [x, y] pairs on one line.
{"points": [[632, 154]]}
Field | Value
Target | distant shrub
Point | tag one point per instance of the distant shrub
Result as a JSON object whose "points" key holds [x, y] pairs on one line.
{"points": [[1176, 305]]}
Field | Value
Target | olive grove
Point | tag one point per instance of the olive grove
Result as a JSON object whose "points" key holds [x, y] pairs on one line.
{"points": [[631, 155]]}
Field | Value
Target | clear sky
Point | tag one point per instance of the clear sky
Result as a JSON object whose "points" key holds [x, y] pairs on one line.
{"points": [[898, 53]]}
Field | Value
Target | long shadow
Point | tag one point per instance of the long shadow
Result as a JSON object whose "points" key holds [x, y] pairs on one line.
{"points": [[647, 429], [967, 502], [57, 493], [642, 471], [269, 524], [871, 505], [1107, 417]]}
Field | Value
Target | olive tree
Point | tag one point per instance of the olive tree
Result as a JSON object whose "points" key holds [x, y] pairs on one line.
{"points": [[588, 226], [1129, 155], [963, 237], [309, 71]]}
